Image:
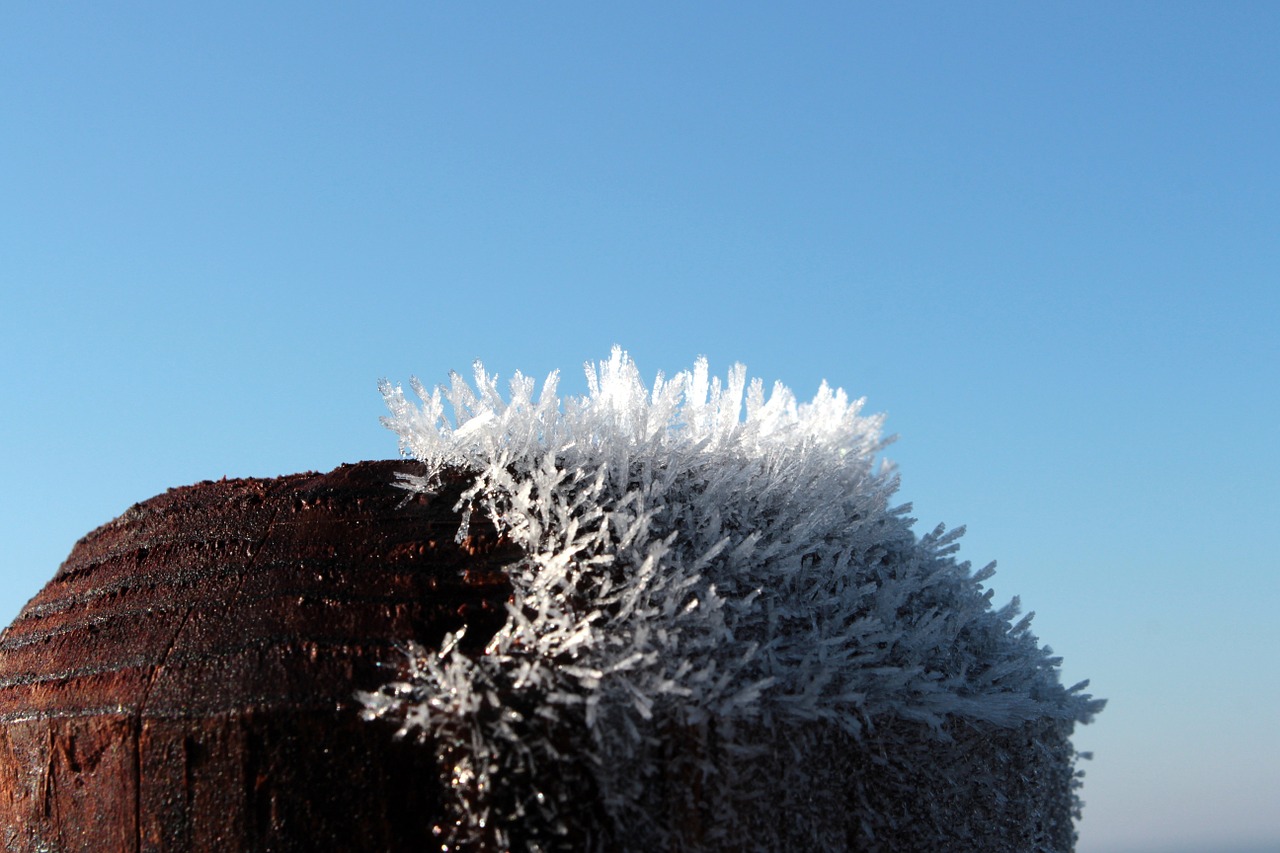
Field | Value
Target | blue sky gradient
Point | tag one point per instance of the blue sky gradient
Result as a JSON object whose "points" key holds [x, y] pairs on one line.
{"points": [[1044, 239]]}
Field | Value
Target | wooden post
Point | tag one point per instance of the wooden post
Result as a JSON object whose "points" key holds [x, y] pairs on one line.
{"points": [[186, 683]]}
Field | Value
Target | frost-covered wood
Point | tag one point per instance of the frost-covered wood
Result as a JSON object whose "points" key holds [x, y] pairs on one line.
{"points": [[723, 631], [703, 626]]}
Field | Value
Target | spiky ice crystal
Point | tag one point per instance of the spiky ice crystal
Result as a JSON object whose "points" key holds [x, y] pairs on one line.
{"points": [[722, 634]]}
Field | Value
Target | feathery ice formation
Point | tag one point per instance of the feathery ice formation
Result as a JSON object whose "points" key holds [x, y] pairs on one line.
{"points": [[721, 635]]}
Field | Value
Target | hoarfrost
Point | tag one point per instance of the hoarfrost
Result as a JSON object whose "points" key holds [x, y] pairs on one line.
{"points": [[720, 628]]}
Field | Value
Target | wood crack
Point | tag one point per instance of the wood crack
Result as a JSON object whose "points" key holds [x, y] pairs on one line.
{"points": [[159, 668]]}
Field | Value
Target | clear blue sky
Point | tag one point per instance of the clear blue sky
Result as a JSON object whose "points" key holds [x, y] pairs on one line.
{"points": [[1044, 238]]}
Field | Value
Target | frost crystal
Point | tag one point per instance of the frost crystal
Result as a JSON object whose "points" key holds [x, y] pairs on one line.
{"points": [[721, 635]]}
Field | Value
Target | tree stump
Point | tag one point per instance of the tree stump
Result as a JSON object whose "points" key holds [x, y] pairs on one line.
{"points": [[186, 681]]}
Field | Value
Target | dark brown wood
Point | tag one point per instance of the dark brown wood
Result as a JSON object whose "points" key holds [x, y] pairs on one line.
{"points": [[186, 681]]}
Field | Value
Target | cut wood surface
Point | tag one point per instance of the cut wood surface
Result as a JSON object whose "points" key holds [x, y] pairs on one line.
{"points": [[186, 680]]}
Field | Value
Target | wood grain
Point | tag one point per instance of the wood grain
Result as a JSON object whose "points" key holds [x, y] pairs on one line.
{"points": [[185, 681]]}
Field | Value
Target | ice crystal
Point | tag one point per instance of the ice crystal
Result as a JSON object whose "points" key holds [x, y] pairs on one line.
{"points": [[722, 633]]}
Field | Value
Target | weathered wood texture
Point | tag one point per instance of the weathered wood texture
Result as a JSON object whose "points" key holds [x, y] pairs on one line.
{"points": [[185, 682]]}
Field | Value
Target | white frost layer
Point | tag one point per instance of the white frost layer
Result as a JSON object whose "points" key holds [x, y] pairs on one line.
{"points": [[699, 557]]}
